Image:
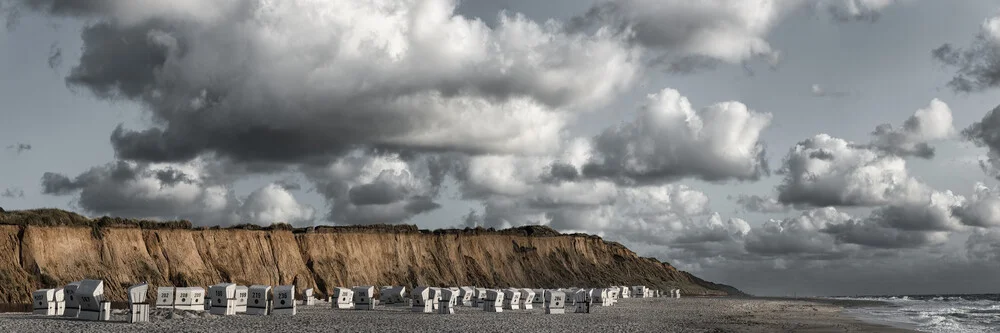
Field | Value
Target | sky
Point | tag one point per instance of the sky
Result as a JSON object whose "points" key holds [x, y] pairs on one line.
{"points": [[785, 147]]}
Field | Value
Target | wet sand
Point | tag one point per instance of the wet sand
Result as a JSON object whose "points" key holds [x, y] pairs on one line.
{"points": [[629, 315]]}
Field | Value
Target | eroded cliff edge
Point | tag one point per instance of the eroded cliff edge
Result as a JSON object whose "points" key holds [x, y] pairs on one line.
{"points": [[49, 248]]}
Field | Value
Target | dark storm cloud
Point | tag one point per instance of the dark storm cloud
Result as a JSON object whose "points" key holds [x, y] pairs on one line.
{"points": [[58, 184], [120, 61], [822, 154], [559, 171], [172, 177], [377, 193]]}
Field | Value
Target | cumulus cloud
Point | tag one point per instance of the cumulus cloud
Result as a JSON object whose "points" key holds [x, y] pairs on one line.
{"points": [[273, 203], [712, 237], [801, 236], [924, 210], [12, 193], [174, 191], [518, 190], [58, 184], [692, 34], [669, 140], [982, 209], [928, 124], [364, 188], [825, 171], [978, 65], [829, 234], [817, 240], [986, 133], [760, 204], [254, 81], [19, 147], [828, 171]]}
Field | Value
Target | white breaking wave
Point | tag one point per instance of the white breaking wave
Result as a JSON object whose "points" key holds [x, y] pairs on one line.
{"points": [[946, 314]]}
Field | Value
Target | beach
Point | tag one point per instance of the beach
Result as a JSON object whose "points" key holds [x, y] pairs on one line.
{"points": [[629, 315]]}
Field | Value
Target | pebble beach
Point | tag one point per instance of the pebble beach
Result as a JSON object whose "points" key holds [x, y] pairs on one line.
{"points": [[628, 315]]}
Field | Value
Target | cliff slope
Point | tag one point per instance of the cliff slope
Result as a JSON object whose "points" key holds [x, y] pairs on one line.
{"points": [[49, 248]]}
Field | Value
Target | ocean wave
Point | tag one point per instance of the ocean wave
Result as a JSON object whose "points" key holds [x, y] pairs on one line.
{"points": [[935, 313]]}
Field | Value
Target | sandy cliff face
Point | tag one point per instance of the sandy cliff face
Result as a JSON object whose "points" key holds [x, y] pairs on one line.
{"points": [[36, 253]]}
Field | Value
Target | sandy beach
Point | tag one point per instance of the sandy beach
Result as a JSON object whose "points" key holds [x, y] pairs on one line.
{"points": [[629, 315]]}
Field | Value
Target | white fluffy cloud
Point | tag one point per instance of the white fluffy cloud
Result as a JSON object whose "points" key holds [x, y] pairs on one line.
{"points": [[294, 80], [828, 171], [926, 125], [550, 191], [273, 203], [175, 191], [983, 209], [825, 171], [669, 139]]}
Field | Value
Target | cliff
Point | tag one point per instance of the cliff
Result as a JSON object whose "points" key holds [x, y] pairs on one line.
{"points": [[49, 248]]}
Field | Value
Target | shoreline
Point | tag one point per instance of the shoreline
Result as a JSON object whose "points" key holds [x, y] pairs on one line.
{"points": [[692, 314], [845, 303], [846, 306], [881, 322]]}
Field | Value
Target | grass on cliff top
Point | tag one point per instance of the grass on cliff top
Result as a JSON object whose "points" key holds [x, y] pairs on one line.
{"points": [[59, 217]]}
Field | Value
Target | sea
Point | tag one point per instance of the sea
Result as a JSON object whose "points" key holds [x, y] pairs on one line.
{"points": [[933, 313]]}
